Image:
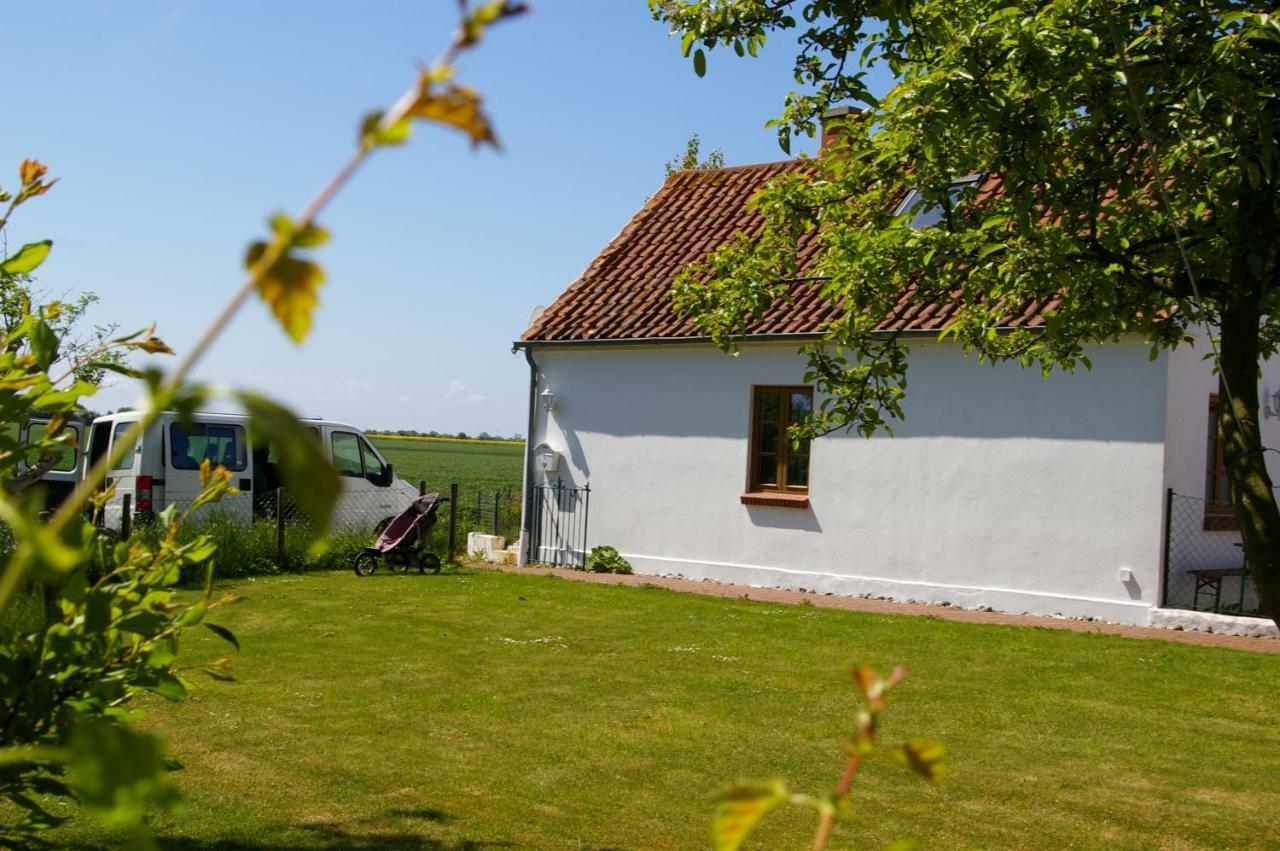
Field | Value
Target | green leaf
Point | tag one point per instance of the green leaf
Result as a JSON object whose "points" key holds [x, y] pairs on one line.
{"points": [[118, 772], [28, 258], [455, 106], [372, 133], [289, 287], [740, 808], [308, 475], [700, 62], [223, 633], [923, 756]]}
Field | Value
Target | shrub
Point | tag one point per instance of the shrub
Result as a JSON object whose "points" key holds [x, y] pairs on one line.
{"points": [[607, 560]]}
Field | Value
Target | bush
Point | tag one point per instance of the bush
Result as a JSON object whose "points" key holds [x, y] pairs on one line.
{"points": [[607, 560]]}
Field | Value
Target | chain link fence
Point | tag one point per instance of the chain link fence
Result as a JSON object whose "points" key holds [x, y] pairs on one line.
{"points": [[1204, 566]]}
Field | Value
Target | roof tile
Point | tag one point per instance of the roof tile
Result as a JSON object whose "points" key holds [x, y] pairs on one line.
{"points": [[624, 293]]}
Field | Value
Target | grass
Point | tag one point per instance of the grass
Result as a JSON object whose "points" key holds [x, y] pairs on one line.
{"points": [[474, 465], [473, 709], [429, 439]]}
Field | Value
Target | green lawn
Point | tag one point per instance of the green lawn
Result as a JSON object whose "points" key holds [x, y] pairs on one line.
{"points": [[476, 709]]}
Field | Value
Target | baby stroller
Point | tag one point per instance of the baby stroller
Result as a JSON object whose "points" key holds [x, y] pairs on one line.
{"points": [[404, 542]]}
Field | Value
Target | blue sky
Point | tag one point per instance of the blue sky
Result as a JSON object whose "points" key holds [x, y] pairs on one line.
{"points": [[177, 128]]}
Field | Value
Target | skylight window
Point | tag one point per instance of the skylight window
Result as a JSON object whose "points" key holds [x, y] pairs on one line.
{"points": [[928, 216]]}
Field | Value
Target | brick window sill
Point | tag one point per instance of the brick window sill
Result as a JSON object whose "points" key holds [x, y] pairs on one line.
{"points": [[776, 500], [1219, 520]]}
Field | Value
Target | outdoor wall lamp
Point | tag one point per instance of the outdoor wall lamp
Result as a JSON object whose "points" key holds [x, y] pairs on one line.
{"points": [[548, 400]]}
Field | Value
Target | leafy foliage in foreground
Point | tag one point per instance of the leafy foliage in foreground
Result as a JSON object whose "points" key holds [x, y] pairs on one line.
{"points": [[1139, 195], [65, 689], [741, 807]]}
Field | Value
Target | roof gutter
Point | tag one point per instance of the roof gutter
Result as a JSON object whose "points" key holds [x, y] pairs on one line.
{"points": [[650, 341], [807, 337]]}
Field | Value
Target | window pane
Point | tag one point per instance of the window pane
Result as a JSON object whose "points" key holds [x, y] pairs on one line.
{"points": [[769, 438], [183, 448], [372, 464], [801, 405], [766, 470], [223, 445], [126, 460], [767, 409], [346, 454], [66, 454], [797, 471]]}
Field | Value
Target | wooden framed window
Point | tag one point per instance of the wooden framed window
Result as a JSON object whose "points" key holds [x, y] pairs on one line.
{"points": [[779, 472], [1218, 513]]}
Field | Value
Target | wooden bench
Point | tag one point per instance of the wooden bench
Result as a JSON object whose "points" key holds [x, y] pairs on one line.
{"points": [[1209, 581]]}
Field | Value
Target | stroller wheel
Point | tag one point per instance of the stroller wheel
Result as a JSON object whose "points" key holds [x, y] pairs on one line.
{"points": [[365, 564], [428, 563]]}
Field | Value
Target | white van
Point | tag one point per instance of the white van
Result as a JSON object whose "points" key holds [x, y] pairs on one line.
{"points": [[164, 467]]}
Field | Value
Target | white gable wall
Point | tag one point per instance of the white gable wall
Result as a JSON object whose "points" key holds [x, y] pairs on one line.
{"points": [[1001, 488]]}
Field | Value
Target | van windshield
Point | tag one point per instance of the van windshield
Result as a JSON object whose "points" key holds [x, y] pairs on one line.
{"points": [[217, 444]]}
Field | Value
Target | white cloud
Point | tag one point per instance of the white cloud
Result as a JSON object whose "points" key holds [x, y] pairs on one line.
{"points": [[459, 391]]}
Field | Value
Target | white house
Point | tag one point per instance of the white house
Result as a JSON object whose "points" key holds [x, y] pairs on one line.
{"points": [[1001, 488]]}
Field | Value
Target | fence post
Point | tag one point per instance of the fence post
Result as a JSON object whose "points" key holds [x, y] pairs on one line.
{"points": [[422, 488], [280, 527], [1164, 556], [126, 519], [497, 503], [453, 519]]}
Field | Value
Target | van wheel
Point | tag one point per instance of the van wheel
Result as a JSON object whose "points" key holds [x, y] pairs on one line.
{"points": [[428, 563], [365, 564]]}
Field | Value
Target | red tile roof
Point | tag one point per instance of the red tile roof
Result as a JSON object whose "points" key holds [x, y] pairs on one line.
{"points": [[625, 293]]}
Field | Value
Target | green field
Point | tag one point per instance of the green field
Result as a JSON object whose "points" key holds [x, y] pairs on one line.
{"points": [[474, 466], [476, 709]]}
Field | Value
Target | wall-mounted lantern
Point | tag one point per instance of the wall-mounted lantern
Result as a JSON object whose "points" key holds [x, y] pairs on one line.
{"points": [[548, 400]]}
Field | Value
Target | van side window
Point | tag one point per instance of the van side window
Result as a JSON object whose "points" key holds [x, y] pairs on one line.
{"points": [[126, 460], [66, 453], [346, 454], [373, 469], [212, 442]]}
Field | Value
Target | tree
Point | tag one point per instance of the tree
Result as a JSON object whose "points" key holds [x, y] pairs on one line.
{"points": [[87, 347], [1136, 183], [691, 158]]}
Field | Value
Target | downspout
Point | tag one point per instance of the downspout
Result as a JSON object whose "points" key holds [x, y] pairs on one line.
{"points": [[526, 511]]}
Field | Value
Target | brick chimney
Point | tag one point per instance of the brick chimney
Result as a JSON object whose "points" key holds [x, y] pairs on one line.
{"points": [[834, 121]]}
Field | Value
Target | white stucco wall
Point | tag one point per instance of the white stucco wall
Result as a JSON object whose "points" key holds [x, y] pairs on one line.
{"points": [[1191, 381], [1001, 488]]}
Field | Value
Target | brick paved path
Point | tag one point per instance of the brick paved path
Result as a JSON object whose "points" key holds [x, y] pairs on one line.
{"points": [[859, 604]]}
